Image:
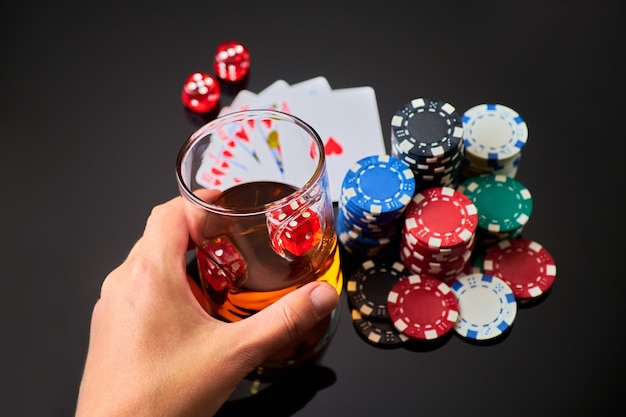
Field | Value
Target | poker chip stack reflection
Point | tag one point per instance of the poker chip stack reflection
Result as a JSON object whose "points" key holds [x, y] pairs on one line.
{"points": [[494, 136], [374, 194], [504, 206], [427, 134], [438, 235]]}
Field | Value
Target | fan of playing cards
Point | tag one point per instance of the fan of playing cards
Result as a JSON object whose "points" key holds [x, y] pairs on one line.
{"points": [[346, 119]]}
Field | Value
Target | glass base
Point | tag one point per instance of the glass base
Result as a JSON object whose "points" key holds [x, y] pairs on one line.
{"points": [[275, 375], [271, 373], [283, 397]]}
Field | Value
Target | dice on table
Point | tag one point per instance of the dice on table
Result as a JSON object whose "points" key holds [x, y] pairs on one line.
{"points": [[231, 61], [294, 229], [201, 92], [221, 263]]}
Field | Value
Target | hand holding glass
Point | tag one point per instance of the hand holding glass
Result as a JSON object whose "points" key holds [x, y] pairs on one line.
{"points": [[259, 210]]}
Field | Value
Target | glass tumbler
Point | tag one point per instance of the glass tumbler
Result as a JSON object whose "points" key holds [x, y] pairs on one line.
{"points": [[258, 207]]}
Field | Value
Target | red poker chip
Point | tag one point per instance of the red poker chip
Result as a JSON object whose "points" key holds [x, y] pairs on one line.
{"points": [[422, 307], [525, 265], [426, 254], [441, 217], [444, 270]]}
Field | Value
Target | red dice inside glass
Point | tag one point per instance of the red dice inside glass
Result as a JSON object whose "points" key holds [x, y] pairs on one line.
{"points": [[294, 230], [201, 92], [231, 61], [212, 274], [221, 263]]}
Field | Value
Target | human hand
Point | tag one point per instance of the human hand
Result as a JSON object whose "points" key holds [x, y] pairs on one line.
{"points": [[153, 349]]}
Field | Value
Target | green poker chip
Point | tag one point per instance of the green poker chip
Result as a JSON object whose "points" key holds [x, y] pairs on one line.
{"points": [[504, 204]]}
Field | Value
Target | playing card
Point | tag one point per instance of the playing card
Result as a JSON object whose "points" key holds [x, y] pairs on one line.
{"points": [[216, 173], [225, 164], [240, 102], [346, 119], [213, 178], [278, 96], [269, 137], [268, 168], [270, 96], [308, 88], [297, 162], [348, 122], [273, 97], [228, 155]]}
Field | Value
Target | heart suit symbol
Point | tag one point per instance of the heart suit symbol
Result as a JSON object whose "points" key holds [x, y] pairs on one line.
{"points": [[332, 147]]}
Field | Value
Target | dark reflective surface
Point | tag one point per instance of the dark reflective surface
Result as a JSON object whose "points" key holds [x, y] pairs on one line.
{"points": [[92, 122], [282, 398]]}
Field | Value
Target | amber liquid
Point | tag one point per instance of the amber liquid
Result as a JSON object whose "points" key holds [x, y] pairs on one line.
{"points": [[267, 275]]}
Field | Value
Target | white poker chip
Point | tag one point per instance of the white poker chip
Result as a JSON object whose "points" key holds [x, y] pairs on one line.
{"points": [[487, 306], [493, 132]]}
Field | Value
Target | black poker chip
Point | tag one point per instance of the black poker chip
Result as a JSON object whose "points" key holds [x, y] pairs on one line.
{"points": [[427, 128], [427, 135], [369, 285], [380, 333]]}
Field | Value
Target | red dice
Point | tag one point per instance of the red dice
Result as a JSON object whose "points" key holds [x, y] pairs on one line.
{"points": [[221, 264], [294, 230], [201, 92], [231, 61]]}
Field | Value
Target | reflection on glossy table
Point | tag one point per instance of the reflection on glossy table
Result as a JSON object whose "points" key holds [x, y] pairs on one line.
{"points": [[93, 120]]}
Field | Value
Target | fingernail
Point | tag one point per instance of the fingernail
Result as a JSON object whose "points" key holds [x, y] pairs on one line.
{"points": [[324, 299]]}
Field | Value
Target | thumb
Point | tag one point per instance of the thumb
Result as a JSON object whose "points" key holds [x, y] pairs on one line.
{"points": [[288, 318]]}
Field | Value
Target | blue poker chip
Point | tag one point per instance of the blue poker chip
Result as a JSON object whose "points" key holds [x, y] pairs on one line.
{"points": [[370, 230], [368, 221], [378, 184], [487, 306], [364, 245], [375, 192], [493, 132], [351, 237]]}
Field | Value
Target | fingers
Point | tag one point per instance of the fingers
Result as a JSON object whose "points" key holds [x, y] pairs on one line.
{"points": [[160, 252], [166, 230], [167, 223], [288, 318]]}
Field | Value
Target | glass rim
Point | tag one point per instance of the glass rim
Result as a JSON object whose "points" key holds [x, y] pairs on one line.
{"points": [[209, 127]]}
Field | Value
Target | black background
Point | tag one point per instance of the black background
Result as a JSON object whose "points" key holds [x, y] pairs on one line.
{"points": [[92, 120]]}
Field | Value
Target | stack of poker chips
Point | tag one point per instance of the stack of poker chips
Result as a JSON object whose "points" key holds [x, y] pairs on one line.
{"points": [[374, 194], [494, 136], [392, 307], [438, 235], [427, 134], [504, 206], [367, 289]]}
